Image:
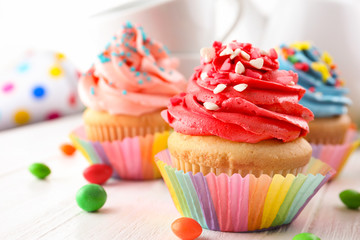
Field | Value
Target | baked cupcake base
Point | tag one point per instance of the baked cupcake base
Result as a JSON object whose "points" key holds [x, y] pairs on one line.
{"points": [[131, 158], [242, 204], [337, 155], [213, 154]]}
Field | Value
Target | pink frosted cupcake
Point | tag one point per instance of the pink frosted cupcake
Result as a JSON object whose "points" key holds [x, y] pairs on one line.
{"points": [[125, 90]]}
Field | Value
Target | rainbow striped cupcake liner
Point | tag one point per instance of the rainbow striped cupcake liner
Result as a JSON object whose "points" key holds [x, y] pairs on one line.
{"points": [[131, 158], [337, 155], [242, 204]]}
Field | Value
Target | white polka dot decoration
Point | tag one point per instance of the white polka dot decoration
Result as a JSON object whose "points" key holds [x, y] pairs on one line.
{"points": [[43, 86]]}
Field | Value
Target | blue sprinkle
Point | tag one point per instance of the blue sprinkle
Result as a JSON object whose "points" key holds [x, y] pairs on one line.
{"points": [[124, 92], [114, 37], [126, 44], [128, 24], [140, 82], [143, 34], [132, 69], [122, 40], [103, 59], [92, 91], [110, 83], [166, 49], [144, 73], [147, 52], [39, 92], [122, 53], [128, 54], [148, 79], [114, 54], [107, 46], [120, 63], [23, 67], [161, 69], [118, 45], [137, 74]]}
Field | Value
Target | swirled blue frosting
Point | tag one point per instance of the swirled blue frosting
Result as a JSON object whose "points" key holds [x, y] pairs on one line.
{"points": [[325, 95]]}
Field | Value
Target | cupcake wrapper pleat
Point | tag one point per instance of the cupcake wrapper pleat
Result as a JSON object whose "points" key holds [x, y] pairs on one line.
{"points": [[131, 158], [337, 155], [240, 204]]}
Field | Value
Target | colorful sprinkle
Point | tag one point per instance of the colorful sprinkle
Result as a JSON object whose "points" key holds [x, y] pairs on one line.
{"points": [[122, 53], [128, 24], [148, 79], [128, 54], [140, 82], [23, 67], [7, 87], [210, 106], [301, 45], [132, 69], [39, 92], [53, 115], [302, 66], [124, 92], [92, 91], [219, 88], [114, 54], [60, 56], [103, 59], [257, 63], [120, 63], [321, 68], [292, 59], [55, 71], [239, 68], [137, 74], [21, 117], [162, 69], [240, 87]]}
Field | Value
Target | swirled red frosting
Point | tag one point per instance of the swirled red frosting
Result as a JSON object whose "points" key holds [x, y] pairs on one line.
{"points": [[248, 101]]}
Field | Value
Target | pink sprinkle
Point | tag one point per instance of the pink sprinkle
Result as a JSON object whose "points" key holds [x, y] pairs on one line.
{"points": [[53, 115], [311, 89], [7, 87], [72, 99]]}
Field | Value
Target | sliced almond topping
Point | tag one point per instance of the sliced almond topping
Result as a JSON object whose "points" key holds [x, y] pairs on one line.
{"points": [[219, 88], [239, 68], [240, 87], [211, 106], [257, 63]]}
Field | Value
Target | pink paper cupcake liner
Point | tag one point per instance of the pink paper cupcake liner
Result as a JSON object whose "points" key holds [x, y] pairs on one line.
{"points": [[242, 204], [131, 158], [337, 155]]}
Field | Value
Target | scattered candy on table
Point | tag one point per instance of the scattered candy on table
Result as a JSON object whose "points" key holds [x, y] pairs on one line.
{"points": [[39, 170], [350, 198], [42, 86], [68, 149], [98, 173], [186, 228], [91, 197], [306, 236]]}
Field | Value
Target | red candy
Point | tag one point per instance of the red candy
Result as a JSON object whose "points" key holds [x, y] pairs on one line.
{"points": [[311, 89], [186, 228], [97, 173], [68, 149], [302, 66]]}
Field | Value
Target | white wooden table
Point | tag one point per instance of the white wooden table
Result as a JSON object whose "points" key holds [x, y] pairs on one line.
{"points": [[35, 209]]}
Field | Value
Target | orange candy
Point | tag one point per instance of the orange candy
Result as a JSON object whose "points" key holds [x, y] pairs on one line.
{"points": [[68, 149], [186, 228]]}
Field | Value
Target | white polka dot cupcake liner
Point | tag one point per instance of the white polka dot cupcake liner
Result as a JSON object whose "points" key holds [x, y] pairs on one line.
{"points": [[242, 204], [131, 158], [337, 155]]}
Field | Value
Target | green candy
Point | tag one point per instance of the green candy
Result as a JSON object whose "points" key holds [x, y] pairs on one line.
{"points": [[306, 236], [39, 170], [91, 197], [350, 198], [292, 59]]}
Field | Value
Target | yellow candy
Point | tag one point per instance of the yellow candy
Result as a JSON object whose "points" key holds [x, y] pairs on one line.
{"points": [[322, 68], [301, 45], [326, 58]]}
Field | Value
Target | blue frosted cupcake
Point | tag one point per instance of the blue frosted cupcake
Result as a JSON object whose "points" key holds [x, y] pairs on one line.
{"points": [[325, 95]]}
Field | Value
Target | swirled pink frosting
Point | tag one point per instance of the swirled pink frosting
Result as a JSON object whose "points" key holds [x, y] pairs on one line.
{"points": [[133, 76], [248, 101]]}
